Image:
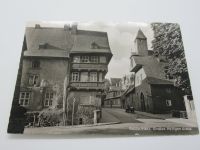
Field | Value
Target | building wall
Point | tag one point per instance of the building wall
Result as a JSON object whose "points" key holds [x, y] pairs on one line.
{"points": [[139, 77], [133, 98], [162, 93], [113, 103], [52, 71], [87, 97], [155, 98]]}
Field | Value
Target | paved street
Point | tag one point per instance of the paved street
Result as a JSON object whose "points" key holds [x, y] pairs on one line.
{"points": [[119, 115], [116, 121]]}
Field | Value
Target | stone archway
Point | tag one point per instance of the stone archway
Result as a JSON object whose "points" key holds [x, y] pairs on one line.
{"points": [[142, 100]]}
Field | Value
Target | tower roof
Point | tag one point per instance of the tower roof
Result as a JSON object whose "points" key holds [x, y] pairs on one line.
{"points": [[140, 35]]}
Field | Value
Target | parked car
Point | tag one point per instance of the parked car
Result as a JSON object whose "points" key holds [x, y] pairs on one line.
{"points": [[130, 109]]}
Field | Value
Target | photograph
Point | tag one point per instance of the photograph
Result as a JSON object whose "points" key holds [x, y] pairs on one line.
{"points": [[102, 79]]}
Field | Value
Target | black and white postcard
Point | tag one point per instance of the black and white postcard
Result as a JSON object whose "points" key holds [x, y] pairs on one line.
{"points": [[98, 78]]}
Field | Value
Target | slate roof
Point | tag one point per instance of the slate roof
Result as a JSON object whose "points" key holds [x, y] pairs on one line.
{"points": [[84, 39], [62, 39], [115, 81], [152, 67], [140, 35], [56, 37]]}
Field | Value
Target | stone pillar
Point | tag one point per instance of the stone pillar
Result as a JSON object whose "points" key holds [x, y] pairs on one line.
{"points": [[189, 105], [95, 117]]}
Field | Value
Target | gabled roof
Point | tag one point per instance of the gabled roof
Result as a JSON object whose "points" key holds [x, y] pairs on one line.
{"points": [[56, 37], [151, 66], [59, 38], [115, 81], [140, 35]]}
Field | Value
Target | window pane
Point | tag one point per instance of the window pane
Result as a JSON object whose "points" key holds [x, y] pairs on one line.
{"points": [[100, 77], [51, 96], [26, 102], [75, 76], [93, 76], [47, 95], [76, 59], [35, 64], [85, 59], [35, 79], [22, 95], [27, 95], [21, 101], [102, 59], [50, 102], [30, 81], [46, 103], [94, 59], [84, 76]]}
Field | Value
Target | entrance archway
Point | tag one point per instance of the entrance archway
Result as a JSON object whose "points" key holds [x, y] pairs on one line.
{"points": [[143, 107]]}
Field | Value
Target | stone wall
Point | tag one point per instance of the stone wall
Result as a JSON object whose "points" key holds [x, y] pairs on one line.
{"points": [[86, 114], [53, 72]]}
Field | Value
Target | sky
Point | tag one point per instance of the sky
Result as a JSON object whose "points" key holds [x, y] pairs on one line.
{"points": [[121, 38]]}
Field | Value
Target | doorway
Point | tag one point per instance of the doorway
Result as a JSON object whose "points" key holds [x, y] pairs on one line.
{"points": [[143, 106]]}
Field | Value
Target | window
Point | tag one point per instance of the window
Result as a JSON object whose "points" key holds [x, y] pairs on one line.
{"points": [[75, 76], [76, 59], [24, 98], [35, 64], [85, 59], [84, 76], [102, 59], [94, 59], [168, 103], [100, 77], [94, 45], [33, 79], [48, 99], [93, 76], [80, 121]]}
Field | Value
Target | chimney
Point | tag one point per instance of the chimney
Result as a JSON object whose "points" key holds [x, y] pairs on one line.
{"points": [[37, 26], [74, 28]]}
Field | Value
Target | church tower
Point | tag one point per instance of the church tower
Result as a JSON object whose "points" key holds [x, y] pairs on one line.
{"points": [[141, 44]]}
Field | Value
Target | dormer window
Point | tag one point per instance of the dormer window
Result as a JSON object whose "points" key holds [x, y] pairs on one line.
{"points": [[43, 45], [95, 45]]}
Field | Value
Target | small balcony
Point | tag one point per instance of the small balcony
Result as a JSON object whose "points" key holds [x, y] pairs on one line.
{"points": [[90, 66], [87, 85]]}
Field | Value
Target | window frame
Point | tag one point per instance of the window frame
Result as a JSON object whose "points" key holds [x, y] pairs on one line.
{"points": [[35, 64], [103, 58], [48, 101], [76, 77], [34, 80], [93, 77], [168, 102], [84, 59], [78, 59], [24, 99], [94, 59]]}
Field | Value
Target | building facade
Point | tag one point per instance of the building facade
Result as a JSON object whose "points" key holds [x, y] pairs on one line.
{"points": [[153, 91], [58, 58], [113, 95]]}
